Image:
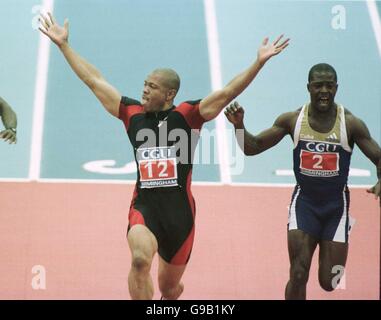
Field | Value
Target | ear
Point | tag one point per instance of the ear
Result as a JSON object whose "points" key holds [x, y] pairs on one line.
{"points": [[308, 87], [171, 94]]}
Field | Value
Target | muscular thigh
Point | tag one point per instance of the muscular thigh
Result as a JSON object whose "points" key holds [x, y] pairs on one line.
{"points": [[168, 214], [301, 247]]}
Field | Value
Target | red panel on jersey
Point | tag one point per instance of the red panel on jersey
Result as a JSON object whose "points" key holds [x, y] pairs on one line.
{"points": [[182, 256], [326, 161], [157, 169], [191, 114], [126, 112], [135, 216]]}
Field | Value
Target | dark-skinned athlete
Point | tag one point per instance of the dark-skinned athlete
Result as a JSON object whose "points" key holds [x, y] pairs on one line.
{"points": [[324, 134]]}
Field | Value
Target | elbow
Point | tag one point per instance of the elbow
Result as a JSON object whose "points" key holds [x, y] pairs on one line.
{"points": [[90, 82], [227, 96], [247, 153], [213, 107], [250, 152], [208, 114], [253, 147], [377, 159]]}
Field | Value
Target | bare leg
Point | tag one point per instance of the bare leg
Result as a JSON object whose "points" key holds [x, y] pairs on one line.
{"points": [[169, 280], [301, 247], [143, 246], [332, 259]]}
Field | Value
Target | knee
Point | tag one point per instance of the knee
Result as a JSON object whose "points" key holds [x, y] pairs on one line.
{"points": [[171, 290], [166, 290], [329, 282], [329, 278], [141, 262], [299, 275], [166, 287], [326, 285]]}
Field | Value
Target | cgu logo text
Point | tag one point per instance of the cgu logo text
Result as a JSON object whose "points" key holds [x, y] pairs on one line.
{"points": [[321, 147], [156, 153]]}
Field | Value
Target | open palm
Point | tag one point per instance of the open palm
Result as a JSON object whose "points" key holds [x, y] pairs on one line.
{"points": [[59, 35], [268, 50]]}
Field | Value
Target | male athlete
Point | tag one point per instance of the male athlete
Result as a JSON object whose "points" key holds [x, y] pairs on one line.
{"points": [[324, 134], [9, 119], [162, 212]]}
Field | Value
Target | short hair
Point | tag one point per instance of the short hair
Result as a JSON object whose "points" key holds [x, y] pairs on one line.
{"points": [[321, 67], [171, 78]]}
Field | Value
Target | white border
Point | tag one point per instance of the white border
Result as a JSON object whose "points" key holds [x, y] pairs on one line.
{"points": [[376, 22], [39, 99], [216, 79], [194, 183]]}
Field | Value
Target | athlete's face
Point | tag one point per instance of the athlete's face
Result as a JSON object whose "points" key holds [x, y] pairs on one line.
{"points": [[155, 94], [322, 88]]}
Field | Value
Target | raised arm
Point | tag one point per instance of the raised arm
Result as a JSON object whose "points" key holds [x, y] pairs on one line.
{"points": [[213, 104], [255, 144], [106, 93], [360, 135], [9, 119]]}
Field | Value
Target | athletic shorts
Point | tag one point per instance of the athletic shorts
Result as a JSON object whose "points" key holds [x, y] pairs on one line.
{"points": [[169, 214], [322, 218]]}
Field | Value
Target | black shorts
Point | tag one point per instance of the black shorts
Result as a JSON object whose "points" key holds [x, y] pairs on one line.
{"points": [[169, 214], [323, 218]]}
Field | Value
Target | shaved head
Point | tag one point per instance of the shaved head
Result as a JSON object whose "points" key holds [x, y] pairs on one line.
{"points": [[170, 78], [321, 68]]}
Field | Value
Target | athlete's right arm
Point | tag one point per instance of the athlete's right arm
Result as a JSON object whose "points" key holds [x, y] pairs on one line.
{"points": [[255, 144], [106, 93], [9, 119]]}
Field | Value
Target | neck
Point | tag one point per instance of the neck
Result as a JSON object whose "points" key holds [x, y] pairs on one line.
{"points": [[167, 106], [314, 111]]}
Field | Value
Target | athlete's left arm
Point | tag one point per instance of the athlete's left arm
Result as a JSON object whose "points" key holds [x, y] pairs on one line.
{"points": [[212, 105], [360, 135]]}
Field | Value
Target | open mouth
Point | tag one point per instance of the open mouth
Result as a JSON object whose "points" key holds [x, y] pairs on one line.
{"points": [[323, 100]]}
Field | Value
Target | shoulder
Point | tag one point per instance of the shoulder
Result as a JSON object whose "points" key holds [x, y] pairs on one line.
{"points": [[190, 111], [129, 107], [189, 104], [354, 125], [352, 122], [289, 116], [288, 119], [126, 101]]}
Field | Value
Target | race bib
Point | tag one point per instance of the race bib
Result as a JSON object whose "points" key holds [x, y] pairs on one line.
{"points": [[320, 164], [157, 167]]}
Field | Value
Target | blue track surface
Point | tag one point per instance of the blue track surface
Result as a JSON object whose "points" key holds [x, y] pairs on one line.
{"points": [[128, 39]]}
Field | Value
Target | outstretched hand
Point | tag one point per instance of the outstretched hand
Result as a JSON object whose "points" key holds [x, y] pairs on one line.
{"points": [[8, 135], [266, 50], [59, 35], [376, 190], [235, 113]]}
